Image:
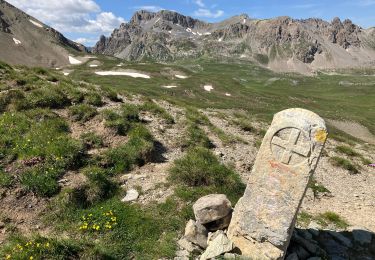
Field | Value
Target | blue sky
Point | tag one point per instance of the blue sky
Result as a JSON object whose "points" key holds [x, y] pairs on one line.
{"points": [[86, 20]]}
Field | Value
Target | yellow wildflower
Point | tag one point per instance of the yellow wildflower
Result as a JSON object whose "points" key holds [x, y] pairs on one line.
{"points": [[47, 244], [8, 256], [31, 258]]}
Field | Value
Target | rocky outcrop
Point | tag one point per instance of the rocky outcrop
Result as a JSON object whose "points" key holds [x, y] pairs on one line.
{"points": [[4, 26], [291, 43]]}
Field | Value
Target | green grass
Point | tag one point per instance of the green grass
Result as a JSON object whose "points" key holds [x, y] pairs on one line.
{"points": [[5, 179], [143, 233], [331, 218], [250, 88], [347, 150], [154, 108], [92, 140], [345, 164], [82, 112], [316, 187], [196, 137], [199, 171], [137, 151]]}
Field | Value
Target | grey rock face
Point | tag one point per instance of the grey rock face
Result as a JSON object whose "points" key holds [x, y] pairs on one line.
{"points": [[264, 218], [211, 207], [167, 35], [218, 246], [363, 237], [196, 233]]}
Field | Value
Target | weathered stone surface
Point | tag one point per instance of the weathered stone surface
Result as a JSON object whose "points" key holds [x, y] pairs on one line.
{"points": [[293, 256], [264, 218], [218, 246], [211, 207], [341, 238], [219, 224], [187, 245], [196, 233], [131, 195]]}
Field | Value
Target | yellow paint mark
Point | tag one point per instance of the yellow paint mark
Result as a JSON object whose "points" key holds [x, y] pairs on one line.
{"points": [[321, 135]]}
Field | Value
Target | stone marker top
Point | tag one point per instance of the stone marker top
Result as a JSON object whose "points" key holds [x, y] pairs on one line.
{"points": [[264, 218]]}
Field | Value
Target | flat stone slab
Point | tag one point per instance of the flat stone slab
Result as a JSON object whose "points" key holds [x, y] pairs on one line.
{"points": [[264, 218]]}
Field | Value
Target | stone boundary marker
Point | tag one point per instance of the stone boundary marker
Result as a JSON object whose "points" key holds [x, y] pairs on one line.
{"points": [[264, 218]]}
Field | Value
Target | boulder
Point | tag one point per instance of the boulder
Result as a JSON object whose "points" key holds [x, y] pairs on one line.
{"points": [[196, 233], [219, 224], [211, 207], [218, 246], [131, 195], [362, 236]]}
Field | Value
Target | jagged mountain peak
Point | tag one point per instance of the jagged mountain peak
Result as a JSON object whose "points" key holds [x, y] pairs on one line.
{"points": [[280, 43]]}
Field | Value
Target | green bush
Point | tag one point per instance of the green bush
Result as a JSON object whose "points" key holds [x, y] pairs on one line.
{"points": [[92, 140], [5, 179], [110, 93], [93, 98], [197, 137], [137, 151], [130, 112], [244, 124], [42, 180], [154, 108], [200, 168], [115, 121], [49, 97], [197, 118], [82, 112], [345, 164], [100, 187]]}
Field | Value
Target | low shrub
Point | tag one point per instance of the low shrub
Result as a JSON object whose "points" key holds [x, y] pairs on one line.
{"points": [[110, 93], [92, 140], [244, 124], [42, 180], [197, 137], [200, 168], [82, 112], [154, 108], [347, 150], [115, 121], [316, 187], [46, 97], [93, 98], [137, 151], [5, 179], [99, 187], [345, 164]]}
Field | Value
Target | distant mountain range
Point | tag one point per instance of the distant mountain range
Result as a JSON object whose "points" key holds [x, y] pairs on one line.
{"points": [[282, 44], [25, 40]]}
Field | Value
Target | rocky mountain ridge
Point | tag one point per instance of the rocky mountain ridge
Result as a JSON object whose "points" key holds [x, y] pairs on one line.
{"points": [[282, 43], [25, 40]]}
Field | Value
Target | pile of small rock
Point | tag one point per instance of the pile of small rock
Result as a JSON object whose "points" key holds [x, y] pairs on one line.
{"points": [[206, 236]]}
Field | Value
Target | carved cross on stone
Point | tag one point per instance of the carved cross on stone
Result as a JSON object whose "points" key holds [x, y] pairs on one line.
{"points": [[264, 218], [291, 145]]}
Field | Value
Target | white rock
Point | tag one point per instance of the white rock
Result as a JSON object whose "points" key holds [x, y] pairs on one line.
{"points": [[211, 207], [131, 195], [220, 245], [208, 88], [181, 76], [172, 86]]}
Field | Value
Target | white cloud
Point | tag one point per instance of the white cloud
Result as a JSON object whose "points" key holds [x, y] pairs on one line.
{"points": [[150, 8], [81, 16], [201, 12], [86, 41], [200, 3]]}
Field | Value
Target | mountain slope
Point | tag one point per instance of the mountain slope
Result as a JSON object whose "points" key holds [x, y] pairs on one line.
{"points": [[282, 44], [24, 40]]}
